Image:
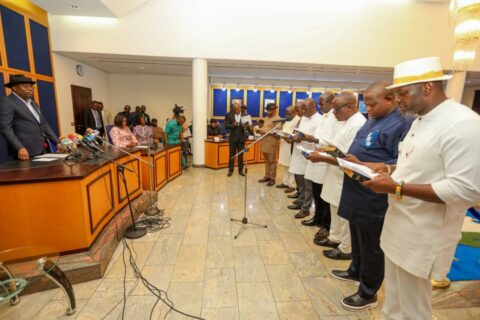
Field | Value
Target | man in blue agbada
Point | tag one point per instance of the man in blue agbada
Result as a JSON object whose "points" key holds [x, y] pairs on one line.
{"points": [[376, 142]]}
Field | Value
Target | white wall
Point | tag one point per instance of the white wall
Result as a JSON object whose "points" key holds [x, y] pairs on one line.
{"points": [[65, 76], [158, 93], [378, 33]]}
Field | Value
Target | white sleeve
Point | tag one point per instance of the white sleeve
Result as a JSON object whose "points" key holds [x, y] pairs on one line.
{"points": [[460, 151]]}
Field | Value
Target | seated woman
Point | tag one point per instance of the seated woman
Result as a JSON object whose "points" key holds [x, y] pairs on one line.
{"points": [[120, 134], [142, 132]]}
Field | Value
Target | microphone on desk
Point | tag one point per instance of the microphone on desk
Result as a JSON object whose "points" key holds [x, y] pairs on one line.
{"points": [[89, 141], [78, 140]]}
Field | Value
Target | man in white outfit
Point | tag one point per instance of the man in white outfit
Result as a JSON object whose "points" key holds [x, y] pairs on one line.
{"points": [[285, 155], [350, 120], [436, 179]]}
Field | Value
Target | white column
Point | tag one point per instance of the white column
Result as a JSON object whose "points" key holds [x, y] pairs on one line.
{"points": [[455, 86], [200, 107]]}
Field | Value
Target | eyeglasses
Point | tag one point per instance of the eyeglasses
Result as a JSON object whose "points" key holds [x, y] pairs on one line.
{"points": [[335, 110]]}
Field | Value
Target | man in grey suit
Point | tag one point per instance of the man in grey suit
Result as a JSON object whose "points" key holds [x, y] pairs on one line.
{"points": [[21, 122]]}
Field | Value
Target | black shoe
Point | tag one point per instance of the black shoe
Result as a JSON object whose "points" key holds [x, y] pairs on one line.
{"points": [[344, 276], [301, 214], [293, 196], [241, 173], [229, 174], [325, 243], [281, 186], [310, 222], [356, 302], [294, 207], [264, 179], [337, 254], [321, 234], [297, 201]]}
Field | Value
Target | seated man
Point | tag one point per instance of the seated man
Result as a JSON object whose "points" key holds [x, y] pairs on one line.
{"points": [[22, 122], [213, 130], [257, 128], [157, 132]]}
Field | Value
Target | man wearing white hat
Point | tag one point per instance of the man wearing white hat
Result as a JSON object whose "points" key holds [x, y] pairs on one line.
{"points": [[436, 179]]}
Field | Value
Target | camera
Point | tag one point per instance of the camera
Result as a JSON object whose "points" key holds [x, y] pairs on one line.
{"points": [[178, 110]]}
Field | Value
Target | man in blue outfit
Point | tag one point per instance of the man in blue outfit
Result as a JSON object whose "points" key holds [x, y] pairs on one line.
{"points": [[376, 142]]}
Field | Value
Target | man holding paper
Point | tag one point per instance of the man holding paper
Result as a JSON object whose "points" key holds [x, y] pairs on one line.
{"points": [[376, 141], [436, 179], [349, 122], [236, 139]]}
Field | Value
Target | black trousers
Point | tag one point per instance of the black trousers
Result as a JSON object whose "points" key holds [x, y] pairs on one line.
{"points": [[368, 260], [235, 147], [322, 208]]}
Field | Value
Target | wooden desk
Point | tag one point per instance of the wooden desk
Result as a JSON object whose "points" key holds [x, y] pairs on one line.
{"points": [[217, 153], [167, 165], [60, 206]]}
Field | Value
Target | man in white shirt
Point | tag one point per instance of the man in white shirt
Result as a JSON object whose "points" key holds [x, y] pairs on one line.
{"points": [[436, 179], [315, 172], [285, 154], [309, 122], [350, 120]]}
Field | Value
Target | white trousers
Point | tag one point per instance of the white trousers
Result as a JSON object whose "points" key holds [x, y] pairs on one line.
{"points": [[288, 177], [340, 231], [407, 297]]}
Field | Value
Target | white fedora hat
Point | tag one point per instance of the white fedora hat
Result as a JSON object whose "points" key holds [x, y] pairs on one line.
{"points": [[418, 71]]}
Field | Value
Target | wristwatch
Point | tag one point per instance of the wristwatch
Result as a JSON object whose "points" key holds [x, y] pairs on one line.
{"points": [[398, 190]]}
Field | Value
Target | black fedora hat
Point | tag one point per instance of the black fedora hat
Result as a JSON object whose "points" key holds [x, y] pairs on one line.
{"points": [[18, 79]]}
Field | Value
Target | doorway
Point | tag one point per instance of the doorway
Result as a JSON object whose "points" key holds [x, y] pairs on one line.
{"points": [[81, 98]]}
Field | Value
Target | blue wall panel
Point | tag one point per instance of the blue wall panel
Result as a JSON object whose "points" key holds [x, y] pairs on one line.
{"points": [[301, 95], [219, 102], [315, 97], [286, 100], [15, 39], [268, 95], [46, 97], [41, 49], [253, 103], [234, 94]]}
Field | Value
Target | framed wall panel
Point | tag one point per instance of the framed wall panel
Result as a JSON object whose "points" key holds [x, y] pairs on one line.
{"points": [[315, 97], [41, 48], [236, 95], [15, 38], [220, 102], [253, 103], [268, 96], [286, 100], [47, 102], [301, 96]]}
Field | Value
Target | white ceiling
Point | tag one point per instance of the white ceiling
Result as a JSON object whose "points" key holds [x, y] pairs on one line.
{"points": [[90, 8], [246, 72]]}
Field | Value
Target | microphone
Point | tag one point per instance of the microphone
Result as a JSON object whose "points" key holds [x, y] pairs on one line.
{"points": [[88, 141], [67, 144], [78, 140]]}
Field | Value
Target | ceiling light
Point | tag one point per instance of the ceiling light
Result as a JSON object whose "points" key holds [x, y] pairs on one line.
{"points": [[73, 6]]}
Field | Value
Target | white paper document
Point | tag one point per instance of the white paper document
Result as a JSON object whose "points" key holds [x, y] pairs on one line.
{"points": [[52, 156], [331, 143], [357, 168], [44, 159]]}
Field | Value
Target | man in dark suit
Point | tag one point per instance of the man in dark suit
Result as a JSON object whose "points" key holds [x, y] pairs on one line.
{"points": [[92, 118], [21, 121], [238, 135]]}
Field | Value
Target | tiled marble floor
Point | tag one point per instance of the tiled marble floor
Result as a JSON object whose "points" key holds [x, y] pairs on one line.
{"points": [[272, 273]]}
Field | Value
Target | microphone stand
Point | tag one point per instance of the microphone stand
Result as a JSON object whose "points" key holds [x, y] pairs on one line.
{"points": [[244, 220], [132, 231], [152, 210]]}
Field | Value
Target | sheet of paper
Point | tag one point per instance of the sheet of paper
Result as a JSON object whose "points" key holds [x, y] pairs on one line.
{"points": [[358, 168], [282, 133], [44, 159], [52, 156]]}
